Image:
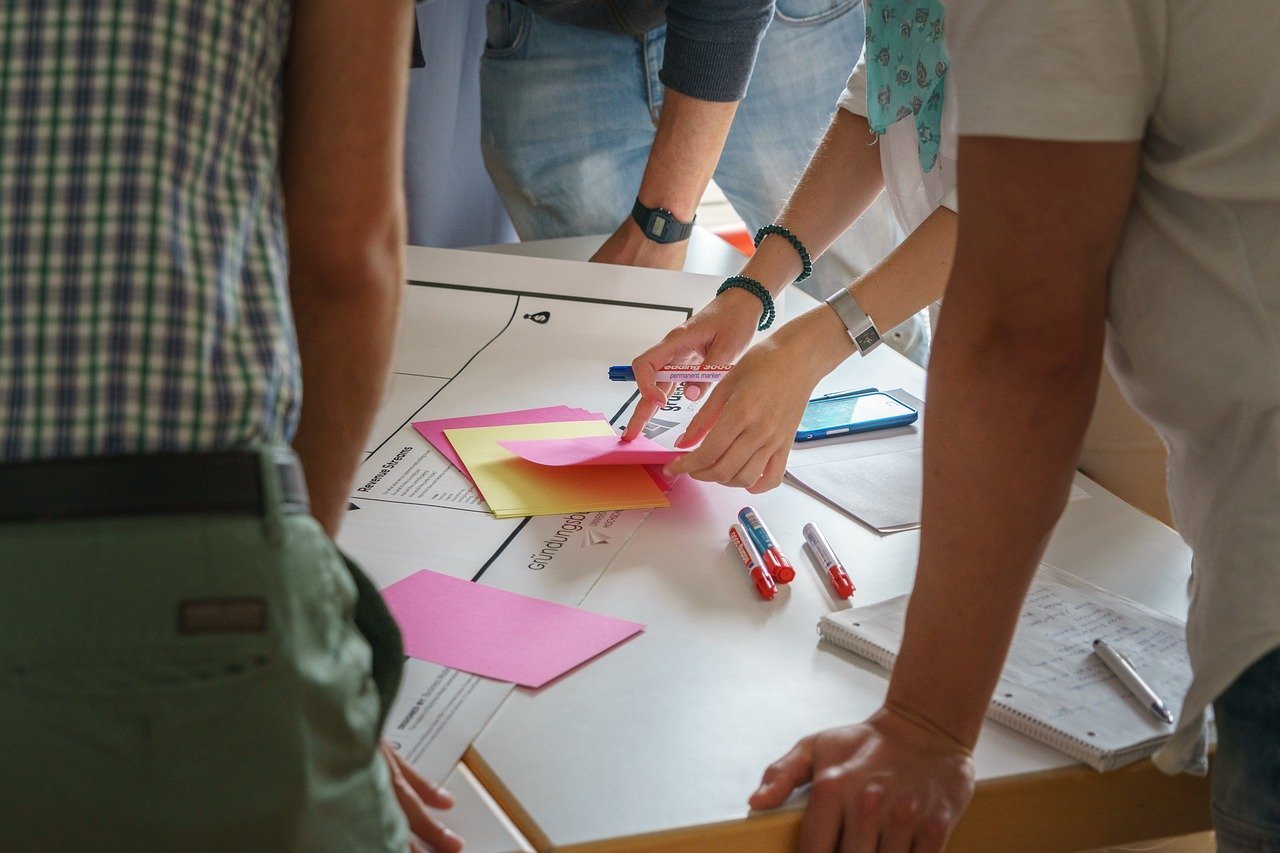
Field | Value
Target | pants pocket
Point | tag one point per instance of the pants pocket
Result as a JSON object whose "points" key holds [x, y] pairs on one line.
{"points": [[151, 749], [506, 25], [810, 12]]}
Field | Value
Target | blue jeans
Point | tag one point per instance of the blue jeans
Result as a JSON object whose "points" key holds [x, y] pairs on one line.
{"points": [[1246, 768], [567, 117]]}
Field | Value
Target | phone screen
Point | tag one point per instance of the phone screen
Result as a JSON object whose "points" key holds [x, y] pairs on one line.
{"points": [[839, 411]]}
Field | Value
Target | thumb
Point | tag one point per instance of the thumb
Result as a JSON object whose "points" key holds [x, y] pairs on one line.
{"points": [[722, 350], [704, 420]]}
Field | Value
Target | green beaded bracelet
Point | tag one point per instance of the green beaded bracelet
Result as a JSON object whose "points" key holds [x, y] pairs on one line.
{"points": [[752, 286], [781, 231]]}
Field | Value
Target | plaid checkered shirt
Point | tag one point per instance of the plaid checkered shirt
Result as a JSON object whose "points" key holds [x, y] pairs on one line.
{"points": [[143, 272]]}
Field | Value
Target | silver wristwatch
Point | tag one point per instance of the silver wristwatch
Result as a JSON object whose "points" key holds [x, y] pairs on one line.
{"points": [[861, 329]]}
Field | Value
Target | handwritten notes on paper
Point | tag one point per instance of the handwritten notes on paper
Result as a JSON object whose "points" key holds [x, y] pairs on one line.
{"points": [[1055, 668], [1053, 687]]}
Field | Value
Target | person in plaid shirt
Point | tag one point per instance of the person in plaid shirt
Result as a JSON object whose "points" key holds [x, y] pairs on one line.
{"points": [[200, 261]]}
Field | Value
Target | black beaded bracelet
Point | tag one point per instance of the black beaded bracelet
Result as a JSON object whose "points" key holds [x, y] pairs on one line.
{"points": [[805, 261], [752, 286]]}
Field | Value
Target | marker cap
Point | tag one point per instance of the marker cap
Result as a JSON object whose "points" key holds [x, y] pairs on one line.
{"points": [[764, 584], [751, 562], [778, 566], [843, 586]]}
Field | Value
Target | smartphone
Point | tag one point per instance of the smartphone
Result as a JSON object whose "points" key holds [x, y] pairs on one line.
{"points": [[852, 411]]}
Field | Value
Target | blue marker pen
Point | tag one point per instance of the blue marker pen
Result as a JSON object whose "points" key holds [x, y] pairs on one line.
{"points": [[774, 561]]}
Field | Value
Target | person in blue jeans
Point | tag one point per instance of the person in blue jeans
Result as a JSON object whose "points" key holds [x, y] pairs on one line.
{"points": [[590, 109]]}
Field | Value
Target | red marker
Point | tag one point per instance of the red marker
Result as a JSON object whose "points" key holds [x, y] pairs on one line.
{"points": [[822, 550], [751, 561], [777, 564]]}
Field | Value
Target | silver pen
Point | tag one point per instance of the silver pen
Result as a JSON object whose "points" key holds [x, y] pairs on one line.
{"points": [[1120, 665]]}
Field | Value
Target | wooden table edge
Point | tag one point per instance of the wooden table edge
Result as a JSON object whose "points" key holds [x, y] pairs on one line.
{"points": [[1069, 809]]}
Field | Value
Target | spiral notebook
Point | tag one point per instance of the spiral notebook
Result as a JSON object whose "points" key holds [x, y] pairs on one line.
{"points": [[1053, 688]]}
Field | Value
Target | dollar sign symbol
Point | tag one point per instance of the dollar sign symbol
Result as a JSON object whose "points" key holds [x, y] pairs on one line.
{"points": [[540, 317]]}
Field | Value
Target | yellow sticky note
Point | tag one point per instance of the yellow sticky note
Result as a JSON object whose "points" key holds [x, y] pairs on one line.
{"points": [[514, 487]]}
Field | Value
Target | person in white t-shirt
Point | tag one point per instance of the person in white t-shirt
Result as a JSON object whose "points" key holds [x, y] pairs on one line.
{"points": [[750, 423], [1119, 171]]}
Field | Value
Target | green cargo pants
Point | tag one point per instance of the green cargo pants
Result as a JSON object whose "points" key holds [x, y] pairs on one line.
{"points": [[192, 682]]}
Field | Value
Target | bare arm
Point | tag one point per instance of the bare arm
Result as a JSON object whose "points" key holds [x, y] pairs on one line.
{"points": [[341, 165], [690, 136], [841, 180], [749, 422], [1011, 389], [344, 90], [1011, 386], [913, 276]]}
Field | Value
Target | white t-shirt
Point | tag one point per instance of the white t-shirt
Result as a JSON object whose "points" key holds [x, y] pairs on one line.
{"points": [[913, 193], [1120, 450], [1194, 305]]}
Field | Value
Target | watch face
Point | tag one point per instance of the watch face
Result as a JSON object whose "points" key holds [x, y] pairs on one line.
{"points": [[867, 339], [660, 226]]}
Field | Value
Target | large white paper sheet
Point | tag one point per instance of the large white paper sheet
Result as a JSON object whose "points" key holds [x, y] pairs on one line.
{"points": [[403, 397], [460, 349]]}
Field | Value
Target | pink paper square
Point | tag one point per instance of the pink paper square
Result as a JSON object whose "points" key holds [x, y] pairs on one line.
{"points": [[592, 450], [433, 431], [495, 633]]}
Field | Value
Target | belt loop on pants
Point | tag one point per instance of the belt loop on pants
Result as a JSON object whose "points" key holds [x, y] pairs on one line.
{"points": [[284, 489], [266, 482]]}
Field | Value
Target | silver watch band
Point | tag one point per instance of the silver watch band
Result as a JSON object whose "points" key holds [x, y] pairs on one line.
{"points": [[861, 329]]}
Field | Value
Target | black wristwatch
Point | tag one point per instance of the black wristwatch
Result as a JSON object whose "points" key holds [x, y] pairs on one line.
{"points": [[661, 226]]}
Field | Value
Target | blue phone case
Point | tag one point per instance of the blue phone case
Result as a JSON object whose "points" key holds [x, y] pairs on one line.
{"points": [[907, 417]]}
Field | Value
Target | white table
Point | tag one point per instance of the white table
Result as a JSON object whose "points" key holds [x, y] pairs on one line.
{"points": [[657, 744]]}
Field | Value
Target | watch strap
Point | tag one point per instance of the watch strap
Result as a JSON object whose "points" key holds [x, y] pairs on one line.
{"points": [[660, 225], [861, 329]]}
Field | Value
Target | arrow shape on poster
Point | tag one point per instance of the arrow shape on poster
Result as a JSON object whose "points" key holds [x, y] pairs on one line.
{"points": [[595, 537]]}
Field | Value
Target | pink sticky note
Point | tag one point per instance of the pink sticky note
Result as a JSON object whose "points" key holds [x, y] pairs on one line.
{"points": [[592, 450], [497, 634], [662, 480], [433, 431]]}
